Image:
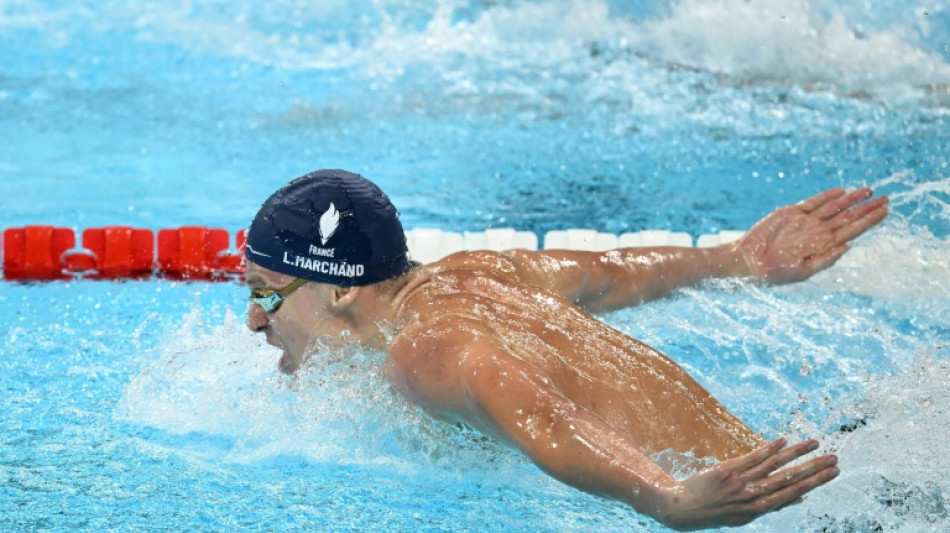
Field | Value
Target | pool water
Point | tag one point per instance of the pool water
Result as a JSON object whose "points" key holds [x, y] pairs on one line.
{"points": [[147, 405]]}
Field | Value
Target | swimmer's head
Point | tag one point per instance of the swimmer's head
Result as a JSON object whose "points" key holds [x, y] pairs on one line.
{"points": [[329, 226]]}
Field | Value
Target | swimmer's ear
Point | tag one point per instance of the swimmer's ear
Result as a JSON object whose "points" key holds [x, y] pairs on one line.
{"points": [[343, 297]]}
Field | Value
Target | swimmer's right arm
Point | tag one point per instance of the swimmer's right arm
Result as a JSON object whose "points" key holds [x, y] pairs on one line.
{"points": [[515, 402], [463, 373]]}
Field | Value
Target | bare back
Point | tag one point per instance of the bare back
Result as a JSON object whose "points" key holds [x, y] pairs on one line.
{"points": [[635, 389]]}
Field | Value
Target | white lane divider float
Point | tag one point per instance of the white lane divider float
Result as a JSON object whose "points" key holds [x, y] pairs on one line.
{"points": [[431, 244]]}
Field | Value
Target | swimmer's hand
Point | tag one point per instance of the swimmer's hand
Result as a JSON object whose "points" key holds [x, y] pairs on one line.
{"points": [[795, 242], [739, 490]]}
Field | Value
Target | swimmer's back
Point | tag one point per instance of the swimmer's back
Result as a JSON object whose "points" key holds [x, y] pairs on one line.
{"points": [[637, 390]]}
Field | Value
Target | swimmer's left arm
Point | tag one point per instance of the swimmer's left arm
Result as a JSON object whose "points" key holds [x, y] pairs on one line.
{"points": [[790, 244]]}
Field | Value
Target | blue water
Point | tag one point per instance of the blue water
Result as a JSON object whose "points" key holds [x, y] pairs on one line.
{"points": [[145, 405]]}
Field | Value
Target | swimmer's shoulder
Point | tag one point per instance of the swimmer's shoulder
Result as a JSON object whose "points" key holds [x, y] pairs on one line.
{"points": [[524, 268], [425, 362], [510, 266], [476, 260]]}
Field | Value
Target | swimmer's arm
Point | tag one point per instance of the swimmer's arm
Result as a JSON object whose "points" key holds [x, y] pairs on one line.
{"points": [[516, 403], [459, 371], [605, 281], [790, 244]]}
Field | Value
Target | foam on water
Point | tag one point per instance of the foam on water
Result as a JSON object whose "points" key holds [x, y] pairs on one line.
{"points": [[802, 42], [893, 460], [221, 381], [791, 40], [855, 356]]}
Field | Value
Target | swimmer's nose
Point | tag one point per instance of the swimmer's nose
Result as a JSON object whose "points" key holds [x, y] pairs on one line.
{"points": [[256, 318]]}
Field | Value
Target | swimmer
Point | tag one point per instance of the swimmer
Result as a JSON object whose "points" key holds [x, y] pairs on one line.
{"points": [[506, 342]]}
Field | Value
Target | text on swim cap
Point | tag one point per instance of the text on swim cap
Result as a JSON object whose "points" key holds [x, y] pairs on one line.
{"points": [[322, 252], [324, 267]]}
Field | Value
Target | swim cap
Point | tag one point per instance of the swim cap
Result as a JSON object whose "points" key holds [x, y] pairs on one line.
{"points": [[330, 226]]}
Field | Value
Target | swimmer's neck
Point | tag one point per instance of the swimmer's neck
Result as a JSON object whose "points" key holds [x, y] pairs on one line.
{"points": [[380, 315]]}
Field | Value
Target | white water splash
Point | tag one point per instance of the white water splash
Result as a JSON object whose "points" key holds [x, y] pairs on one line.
{"points": [[790, 40], [893, 460], [221, 381], [875, 389], [903, 262], [800, 42], [856, 357]]}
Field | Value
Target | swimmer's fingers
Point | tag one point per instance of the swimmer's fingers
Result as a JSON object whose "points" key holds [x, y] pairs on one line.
{"points": [[762, 455], [810, 204], [794, 474], [841, 204], [780, 459], [869, 209], [826, 258], [860, 219], [726, 494], [804, 479]]}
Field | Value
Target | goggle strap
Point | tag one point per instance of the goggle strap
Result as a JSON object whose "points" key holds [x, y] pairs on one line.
{"points": [[292, 287]]}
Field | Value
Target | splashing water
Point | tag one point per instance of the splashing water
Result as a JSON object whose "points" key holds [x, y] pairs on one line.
{"points": [[892, 458], [222, 381]]}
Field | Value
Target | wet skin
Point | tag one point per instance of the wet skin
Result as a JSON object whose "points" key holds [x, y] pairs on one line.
{"points": [[505, 343], [635, 389]]}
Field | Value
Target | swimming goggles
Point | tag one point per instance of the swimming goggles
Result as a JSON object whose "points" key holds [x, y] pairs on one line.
{"points": [[271, 299]]}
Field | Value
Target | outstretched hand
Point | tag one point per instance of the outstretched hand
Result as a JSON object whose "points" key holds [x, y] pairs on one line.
{"points": [[794, 242], [739, 490]]}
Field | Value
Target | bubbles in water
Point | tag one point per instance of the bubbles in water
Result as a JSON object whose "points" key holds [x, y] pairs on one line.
{"points": [[807, 359], [590, 43]]}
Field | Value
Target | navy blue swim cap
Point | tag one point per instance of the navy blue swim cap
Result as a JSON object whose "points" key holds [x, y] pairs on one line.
{"points": [[330, 226]]}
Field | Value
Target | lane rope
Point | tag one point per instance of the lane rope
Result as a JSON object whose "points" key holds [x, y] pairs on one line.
{"points": [[43, 252]]}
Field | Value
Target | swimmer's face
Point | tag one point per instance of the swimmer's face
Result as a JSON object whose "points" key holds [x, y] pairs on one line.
{"points": [[303, 316]]}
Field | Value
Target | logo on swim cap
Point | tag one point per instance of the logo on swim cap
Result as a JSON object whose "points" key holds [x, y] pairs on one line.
{"points": [[329, 222], [293, 227]]}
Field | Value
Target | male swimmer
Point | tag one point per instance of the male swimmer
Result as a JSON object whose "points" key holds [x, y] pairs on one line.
{"points": [[505, 342]]}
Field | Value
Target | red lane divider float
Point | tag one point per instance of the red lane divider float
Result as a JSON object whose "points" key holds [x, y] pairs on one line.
{"points": [[35, 252], [115, 252], [197, 252]]}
